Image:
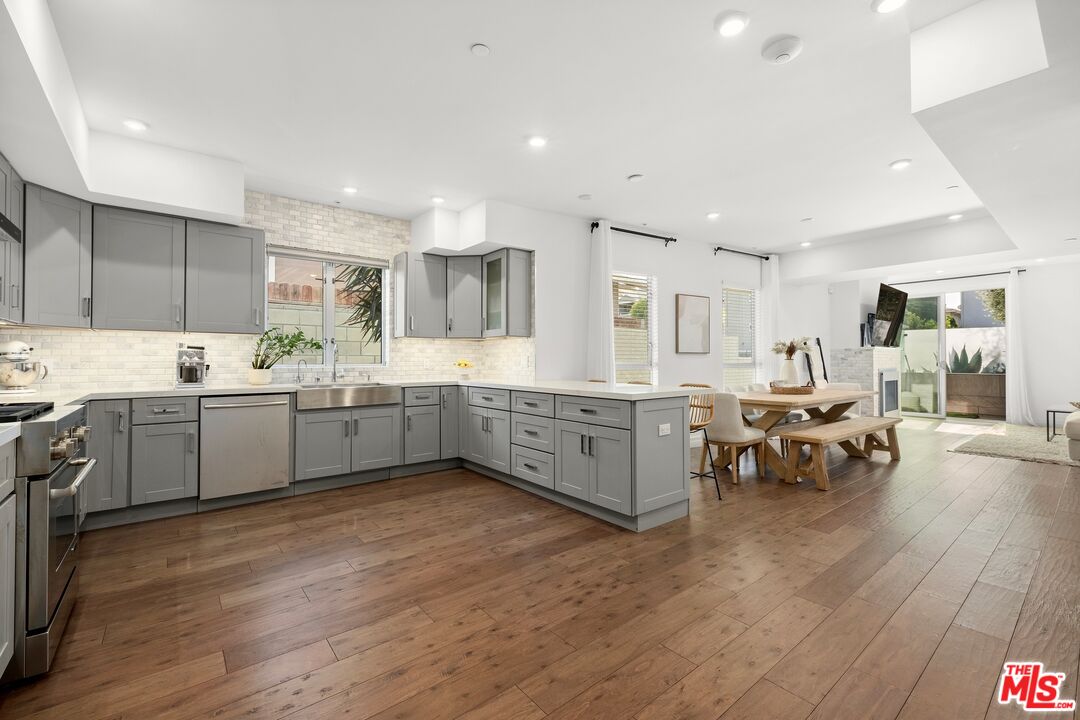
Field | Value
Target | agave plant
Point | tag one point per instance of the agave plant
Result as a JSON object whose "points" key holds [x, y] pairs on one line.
{"points": [[363, 290], [963, 364]]}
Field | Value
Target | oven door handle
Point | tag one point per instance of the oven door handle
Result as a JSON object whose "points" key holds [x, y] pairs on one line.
{"points": [[88, 465]]}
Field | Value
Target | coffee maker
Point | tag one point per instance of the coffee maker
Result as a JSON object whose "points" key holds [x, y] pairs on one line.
{"points": [[191, 366]]}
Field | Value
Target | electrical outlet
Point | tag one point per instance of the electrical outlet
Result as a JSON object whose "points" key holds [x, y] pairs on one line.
{"points": [[664, 430]]}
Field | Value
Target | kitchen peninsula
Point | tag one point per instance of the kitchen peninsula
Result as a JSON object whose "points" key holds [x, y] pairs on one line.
{"points": [[616, 452]]}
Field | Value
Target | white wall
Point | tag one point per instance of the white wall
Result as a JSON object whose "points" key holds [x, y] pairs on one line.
{"points": [[806, 310], [1051, 297]]}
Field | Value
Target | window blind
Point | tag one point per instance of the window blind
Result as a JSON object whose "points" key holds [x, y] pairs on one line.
{"points": [[740, 336], [634, 306]]}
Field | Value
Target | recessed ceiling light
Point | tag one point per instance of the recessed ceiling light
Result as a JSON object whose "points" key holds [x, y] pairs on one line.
{"points": [[807, 219], [1040, 259], [901, 164], [806, 244], [584, 196], [480, 50], [731, 22], [939, 272], [713, 216], [636, 177], [537, 141], [438, 199], [136, 125], [349, 190], [955, 217], [886, 6]]}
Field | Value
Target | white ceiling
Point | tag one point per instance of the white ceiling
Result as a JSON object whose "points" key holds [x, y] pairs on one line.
{"points": [[384, 95]]}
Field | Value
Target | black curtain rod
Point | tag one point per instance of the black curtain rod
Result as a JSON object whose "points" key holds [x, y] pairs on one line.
{"points": [[719, 249], [959, 277], [637, 232]]}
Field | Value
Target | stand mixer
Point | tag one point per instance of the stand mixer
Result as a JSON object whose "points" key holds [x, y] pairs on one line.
{"points": [[17, 371]]}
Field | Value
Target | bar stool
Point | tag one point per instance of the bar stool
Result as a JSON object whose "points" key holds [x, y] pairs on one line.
{"points": [[701, 414]]}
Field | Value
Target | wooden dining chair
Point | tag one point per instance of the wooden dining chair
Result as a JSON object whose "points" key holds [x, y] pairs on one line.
{"points": [[701, 414]]}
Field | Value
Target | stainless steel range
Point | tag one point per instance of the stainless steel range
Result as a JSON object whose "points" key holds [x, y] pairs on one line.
{"points": [[51, 466]]}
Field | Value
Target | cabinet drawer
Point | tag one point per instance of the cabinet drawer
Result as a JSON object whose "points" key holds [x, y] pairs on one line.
{"points": [[421, 396], [486, 397], [612, 413], [147, 411], [532, 431], [533, 403], [533, 466]]}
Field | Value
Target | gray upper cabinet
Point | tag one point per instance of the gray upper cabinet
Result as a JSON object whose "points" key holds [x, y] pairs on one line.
{"points": [[225, 278], [464, 297], [16, 189], [419, 295], [164, 462], [449, 422], [138, 270], [6, 181], [108, 485], [57, 246], [422, 442], [507, 293], [376, 437], [323, 444], [11, 306]]}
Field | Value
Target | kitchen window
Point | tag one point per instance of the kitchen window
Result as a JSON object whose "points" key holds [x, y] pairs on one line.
{"points": [[334, 298], [634, 304], [740, 336]]}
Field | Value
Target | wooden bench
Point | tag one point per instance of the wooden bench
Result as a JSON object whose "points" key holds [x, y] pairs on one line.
{"points": [[841, 433]]}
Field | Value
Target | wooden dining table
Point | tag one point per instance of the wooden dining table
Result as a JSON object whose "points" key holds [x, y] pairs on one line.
{"points": [[823, 406]]}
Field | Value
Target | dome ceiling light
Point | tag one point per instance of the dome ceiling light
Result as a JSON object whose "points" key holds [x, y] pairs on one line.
{"points": [[886, 6], [731, 23]]}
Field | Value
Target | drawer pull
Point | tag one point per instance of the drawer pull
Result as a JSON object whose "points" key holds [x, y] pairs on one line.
{"points": [[530, 466], [166, 411], [487, 398], [530, 403], [529, 432], [588, 411]]}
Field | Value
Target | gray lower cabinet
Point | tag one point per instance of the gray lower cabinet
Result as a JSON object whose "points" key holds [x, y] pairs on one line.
{"points": [[463, 421], [108, 486], [463, 296], [448, 423], [376, 439], [489, 438], [323, 444], [225, 278], [592, 463], [7, 580], [57, 247], [419, 295], [138, 270], [422, 441], [164, 462]]}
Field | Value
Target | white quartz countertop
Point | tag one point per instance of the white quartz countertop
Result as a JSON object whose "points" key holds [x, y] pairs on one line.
{"points": [[9, 432], [555, 387]]}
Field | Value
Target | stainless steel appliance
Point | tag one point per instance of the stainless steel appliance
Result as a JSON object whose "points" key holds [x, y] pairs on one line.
{"points": [[244, 445], [191, 366], [51, 466], [17, 370]]}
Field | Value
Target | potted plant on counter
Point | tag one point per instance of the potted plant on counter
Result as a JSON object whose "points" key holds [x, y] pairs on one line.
{"points": [[273, 346]]}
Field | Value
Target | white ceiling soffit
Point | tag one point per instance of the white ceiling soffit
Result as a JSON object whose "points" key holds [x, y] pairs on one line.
{"points": [[1016, 143], [44, 134]]}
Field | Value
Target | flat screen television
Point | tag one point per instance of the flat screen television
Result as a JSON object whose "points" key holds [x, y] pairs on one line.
{"points": [[889, 318]]}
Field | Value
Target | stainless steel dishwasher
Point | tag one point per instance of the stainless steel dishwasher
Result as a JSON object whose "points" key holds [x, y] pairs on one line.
{"points": [[244, 445]]}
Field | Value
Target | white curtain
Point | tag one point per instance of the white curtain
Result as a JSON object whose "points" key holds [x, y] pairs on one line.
{"points": [[769, 327], [600, 341], [1017, 403]]}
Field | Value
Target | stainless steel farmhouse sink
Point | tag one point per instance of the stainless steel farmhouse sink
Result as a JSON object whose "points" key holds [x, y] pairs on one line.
{"points": [[318, 397]]}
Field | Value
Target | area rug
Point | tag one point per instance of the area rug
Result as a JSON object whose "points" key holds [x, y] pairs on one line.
{"points": [[1021, 442]]}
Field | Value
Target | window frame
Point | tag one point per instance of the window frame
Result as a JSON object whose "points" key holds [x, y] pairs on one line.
{"points": [[755, 364], [652, 325], [329, 260]]}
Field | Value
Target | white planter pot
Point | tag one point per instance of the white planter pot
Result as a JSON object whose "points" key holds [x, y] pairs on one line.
{"points": [[788, 374], [260, 377]]}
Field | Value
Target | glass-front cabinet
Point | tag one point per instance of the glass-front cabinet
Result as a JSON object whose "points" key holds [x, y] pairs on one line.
{"points": [[507, 293], [494, 319]]}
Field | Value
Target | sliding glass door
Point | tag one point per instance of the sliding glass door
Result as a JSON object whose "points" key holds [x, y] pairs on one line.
{"points": [[921, 349]]}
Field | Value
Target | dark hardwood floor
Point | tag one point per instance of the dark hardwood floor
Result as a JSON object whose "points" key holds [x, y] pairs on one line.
{"points": [[898, 594]]}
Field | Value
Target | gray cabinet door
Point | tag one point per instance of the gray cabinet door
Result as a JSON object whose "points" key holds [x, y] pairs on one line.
{"points": [[138, 270], [479, 445], [572, 461], [609, 476], [57, 246], [226, 278], [13, 277], [6, 247], [164, 462], [15, 199], [499, 439], [464, 277], [422, 424], [519, 293], [463, 421], [376, 441], [426, 296], [323, 444], [493, 292], [6, 180], [7, 580], [448, 423], [108, 486]]}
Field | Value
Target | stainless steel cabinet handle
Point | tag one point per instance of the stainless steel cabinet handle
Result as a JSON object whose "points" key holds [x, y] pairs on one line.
{"points": [[530, 403], [530, 466], [173, 411], [270, 403], [529, 432], [86, 306], [14, 295], [177, 313], [356, 426], [588, 411], [346, 423], [408, 423], [591, 439], [411, 324], [425, 396], [450, 325], [445, 399], [487, 398], [70, 490], [191, 442], [119, 422], [582, 444]]}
